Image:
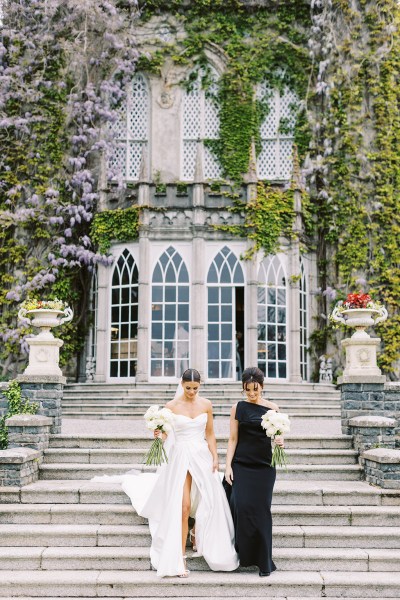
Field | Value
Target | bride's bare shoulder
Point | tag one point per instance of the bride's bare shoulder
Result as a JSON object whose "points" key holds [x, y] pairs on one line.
{"points": [[171, 404], [205, 402]]}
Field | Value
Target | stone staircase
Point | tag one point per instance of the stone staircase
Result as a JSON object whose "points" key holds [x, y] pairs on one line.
{"points": [[122, 401], [65, 536]]}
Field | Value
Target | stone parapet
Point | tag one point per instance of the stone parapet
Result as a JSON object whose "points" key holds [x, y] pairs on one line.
{"points": [[382, 467], [48, 393], [371, 431], [29, 431], [19, 466]]}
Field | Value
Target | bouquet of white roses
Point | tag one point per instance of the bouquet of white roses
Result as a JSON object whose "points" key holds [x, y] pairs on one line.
{"points": [[161, 420], [274, 424]]}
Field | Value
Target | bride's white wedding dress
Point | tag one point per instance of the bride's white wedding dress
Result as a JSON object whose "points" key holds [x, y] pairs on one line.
{"points": [[158, 497]]}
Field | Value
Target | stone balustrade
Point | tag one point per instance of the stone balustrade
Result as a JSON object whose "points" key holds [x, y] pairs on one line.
{"points": [[382, 467], [19, 466], [372, 430], [29, 431]]}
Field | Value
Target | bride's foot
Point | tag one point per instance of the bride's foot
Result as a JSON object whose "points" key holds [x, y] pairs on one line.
{"points": [[186, 573], [192, 538]]}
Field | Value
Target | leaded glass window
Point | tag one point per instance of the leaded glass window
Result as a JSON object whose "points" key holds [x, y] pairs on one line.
{"points": [[225, 273], [303, 324], [170, 316], [272, 319], [124, 317], [277, 130], [93, 309], [132, 130], [200, 124]]}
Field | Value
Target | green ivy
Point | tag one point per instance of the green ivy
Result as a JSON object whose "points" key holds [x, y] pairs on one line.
{"points": [[16, 406], [120, 225]]}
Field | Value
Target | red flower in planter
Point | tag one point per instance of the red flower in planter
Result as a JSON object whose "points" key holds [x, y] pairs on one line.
{"points": [[359, 300]]}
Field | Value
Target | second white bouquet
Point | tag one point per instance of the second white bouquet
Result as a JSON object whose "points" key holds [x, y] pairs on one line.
{"points": [[276, 423], [161, 420]]}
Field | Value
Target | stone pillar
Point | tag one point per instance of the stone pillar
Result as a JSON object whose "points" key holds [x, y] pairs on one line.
{"points": [[19, 466], [30, 431], [198, 338], [382, 467], [371, 431], [293, 302], [361, 399], [251, 324], [48, 393], [103, 312], [3, 399], [144, 314]]}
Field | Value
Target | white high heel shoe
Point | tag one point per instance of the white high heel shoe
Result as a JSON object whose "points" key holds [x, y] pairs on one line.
{"points": [[192, 538]]}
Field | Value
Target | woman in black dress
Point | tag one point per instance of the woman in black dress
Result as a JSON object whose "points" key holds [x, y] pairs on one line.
{"points": [[249, 478]]}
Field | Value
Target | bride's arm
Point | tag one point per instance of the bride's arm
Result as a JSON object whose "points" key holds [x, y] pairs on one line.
{"points": [[210, 437], [232, 443]]}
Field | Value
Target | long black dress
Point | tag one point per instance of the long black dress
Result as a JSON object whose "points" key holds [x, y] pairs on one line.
{"points": [[250, 495]]}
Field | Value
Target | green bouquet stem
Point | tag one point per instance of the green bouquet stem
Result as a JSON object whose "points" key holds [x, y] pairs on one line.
{"points": [[279, 458], [156, 455]]}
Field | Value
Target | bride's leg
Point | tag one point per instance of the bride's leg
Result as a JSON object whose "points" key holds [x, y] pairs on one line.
{"points": [[186, 510]]}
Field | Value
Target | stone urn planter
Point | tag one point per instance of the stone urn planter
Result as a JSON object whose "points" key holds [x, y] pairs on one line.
{"points": [[361, 365], [45, 319], [359, 319], [44, 348]]}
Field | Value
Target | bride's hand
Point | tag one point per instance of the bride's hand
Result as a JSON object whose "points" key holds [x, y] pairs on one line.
{"points": [[229, 475], [215, 465], [279, 441], [160, 434]]}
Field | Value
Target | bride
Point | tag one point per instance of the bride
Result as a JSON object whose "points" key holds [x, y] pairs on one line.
{"points": [[188, 485]]}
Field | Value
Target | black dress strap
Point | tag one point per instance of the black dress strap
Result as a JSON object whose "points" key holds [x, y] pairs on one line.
{"points": [[239, 410]]}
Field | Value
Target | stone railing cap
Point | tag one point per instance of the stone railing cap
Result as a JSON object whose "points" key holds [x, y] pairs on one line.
{"points": [[18, 455], [29, 421], [382, 455], [41, 379], [372, 421]]}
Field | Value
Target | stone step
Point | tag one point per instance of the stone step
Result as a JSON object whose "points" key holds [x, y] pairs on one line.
{"points": [[118, 442], [108, 415], [291, 536], [137, 455], [127, 584], [91, 405], [293, 471], [137, 559], [311, 493], [123, 514], [225, 387], [216, 400]]}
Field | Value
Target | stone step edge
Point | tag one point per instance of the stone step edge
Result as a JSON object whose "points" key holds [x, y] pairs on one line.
{"points": [[90, 436], [140, 466]]}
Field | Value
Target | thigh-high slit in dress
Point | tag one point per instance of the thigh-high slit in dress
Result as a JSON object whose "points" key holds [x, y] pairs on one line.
{"points": [[250, 495]]}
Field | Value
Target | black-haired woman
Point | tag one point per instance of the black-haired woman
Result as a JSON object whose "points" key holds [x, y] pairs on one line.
{"points": [[188, 485], [249, 478]]}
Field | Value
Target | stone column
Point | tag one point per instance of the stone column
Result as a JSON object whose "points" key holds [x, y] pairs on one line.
{"points": [[198, 321], [372, 431], [144, 313], [103, 312], [251, 321], [293, 300]]}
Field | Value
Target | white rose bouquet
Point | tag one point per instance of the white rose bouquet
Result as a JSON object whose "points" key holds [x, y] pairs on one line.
{"points": [[161, 420], [274, 424]]}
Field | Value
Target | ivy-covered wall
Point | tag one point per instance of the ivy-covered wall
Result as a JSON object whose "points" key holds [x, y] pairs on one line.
{"points": [[59, 87]]}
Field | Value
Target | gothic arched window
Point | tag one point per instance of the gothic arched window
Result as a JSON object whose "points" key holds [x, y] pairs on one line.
{"points": [[200, 124], [170, 316], [132, 130], [124, 316], [225, 307], [303, 324], [272, 319], [276, 133]]}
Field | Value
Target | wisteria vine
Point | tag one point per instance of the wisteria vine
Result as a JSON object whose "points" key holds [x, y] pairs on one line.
{"points": [[64, 66]]}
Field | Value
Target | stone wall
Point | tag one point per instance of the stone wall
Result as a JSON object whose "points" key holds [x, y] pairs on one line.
{"points": [[3, 400]]}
